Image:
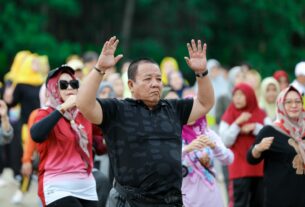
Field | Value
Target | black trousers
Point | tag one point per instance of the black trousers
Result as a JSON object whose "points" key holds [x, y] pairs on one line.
{"points": [[103, 186], [72, 202], [246, 192], [117, 200]]}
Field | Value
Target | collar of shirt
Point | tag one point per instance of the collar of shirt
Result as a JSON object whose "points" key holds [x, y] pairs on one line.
{"points": [[135, 102]]}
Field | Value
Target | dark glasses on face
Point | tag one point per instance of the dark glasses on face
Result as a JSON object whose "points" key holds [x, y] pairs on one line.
{"points": [[63, 84]]}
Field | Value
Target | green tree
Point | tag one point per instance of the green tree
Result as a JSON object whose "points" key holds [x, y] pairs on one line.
{"points": [[268, 34]]}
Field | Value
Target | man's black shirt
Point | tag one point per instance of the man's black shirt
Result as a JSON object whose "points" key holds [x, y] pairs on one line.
{"points": [[144, 145]]}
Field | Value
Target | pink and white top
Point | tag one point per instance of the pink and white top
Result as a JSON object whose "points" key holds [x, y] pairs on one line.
{"points": [[62, 170]]}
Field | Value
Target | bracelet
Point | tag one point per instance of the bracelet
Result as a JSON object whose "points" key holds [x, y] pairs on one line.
{"points": [[60, 109], [201, 75], [99, 71]]}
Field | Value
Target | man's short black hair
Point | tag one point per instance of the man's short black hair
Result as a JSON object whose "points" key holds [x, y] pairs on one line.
{"points": [[133, 67]]}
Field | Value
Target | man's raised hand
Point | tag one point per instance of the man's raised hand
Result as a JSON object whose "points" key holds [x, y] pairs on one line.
{"points": [[197, 56], [106, 59]]}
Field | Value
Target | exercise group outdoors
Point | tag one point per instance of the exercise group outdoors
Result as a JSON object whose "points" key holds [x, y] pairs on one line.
{"points": [[169, 144]]}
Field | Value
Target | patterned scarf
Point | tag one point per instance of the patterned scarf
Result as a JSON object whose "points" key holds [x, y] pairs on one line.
{"points": [[295, 130], [192, 159], [190, 132], [71, 114]]}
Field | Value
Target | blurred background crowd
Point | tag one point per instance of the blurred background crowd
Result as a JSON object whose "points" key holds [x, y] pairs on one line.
{"points": [[256, 42]]}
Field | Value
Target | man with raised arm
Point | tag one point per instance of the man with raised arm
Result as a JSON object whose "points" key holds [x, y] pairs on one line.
{"points": [[143, 134]]}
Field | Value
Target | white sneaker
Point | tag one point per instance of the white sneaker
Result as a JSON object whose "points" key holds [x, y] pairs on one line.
{"points": [[17, 197], [2, 182]]}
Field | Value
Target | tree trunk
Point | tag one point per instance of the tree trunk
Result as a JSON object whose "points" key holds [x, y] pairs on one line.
{"points": [[127, 23]]}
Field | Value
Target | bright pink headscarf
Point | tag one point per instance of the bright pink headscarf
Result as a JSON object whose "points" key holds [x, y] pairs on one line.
{"points": [[191, 132]]}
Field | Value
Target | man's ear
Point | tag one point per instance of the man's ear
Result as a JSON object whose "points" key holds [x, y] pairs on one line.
{"points": [[130, 85]]}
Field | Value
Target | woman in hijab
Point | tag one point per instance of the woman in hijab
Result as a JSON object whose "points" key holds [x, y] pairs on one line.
{"points": [[201, 146], [64, 140], [270, 89], [253, 78], [236, 75], [168, 65], [282, 77], [176, 82], [242, 120], [105, 90], [282, 147]]}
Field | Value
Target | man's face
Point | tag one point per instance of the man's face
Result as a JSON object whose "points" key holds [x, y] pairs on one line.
{"points": [[147, 85]]}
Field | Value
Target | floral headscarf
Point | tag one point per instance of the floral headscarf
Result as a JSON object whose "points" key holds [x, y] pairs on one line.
{"points": [[192, 159], [191, 132], [55, 100], [294, 130]]}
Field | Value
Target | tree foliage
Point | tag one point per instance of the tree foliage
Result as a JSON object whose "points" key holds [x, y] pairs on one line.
{"points": [[268, 34]]}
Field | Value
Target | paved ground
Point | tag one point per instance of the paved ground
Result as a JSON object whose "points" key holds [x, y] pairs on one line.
{"points": [[6, 192], [30, 199]]}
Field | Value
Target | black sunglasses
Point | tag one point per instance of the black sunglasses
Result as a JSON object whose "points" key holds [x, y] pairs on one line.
{"points": [[63, 84]]}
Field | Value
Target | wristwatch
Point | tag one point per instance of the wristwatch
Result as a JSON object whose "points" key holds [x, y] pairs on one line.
{"points": [[200, 75], [60, 109]]}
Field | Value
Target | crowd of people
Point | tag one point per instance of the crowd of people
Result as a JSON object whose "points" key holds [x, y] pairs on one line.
{"points": [[169, 143]]}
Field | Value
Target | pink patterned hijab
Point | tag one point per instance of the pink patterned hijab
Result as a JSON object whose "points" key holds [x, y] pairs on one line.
{"points": [[295, 130], [71, 114], [192, 131]]}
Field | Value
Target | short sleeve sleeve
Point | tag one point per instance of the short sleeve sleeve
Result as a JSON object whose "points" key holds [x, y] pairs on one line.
{"points": [[109, 108], [183, 109]]}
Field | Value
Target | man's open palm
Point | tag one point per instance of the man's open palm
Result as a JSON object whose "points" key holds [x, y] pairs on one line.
{"points": [[106, 59], [197, 60]]}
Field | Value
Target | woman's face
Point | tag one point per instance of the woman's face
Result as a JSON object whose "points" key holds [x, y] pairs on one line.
{"points": [[67, 86], [105, 93], [283, 81], [176, 81], [253, 81], [169, 67], [240, 77], [118, 87], [239, 99], [293, 105], [271, 94]]}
